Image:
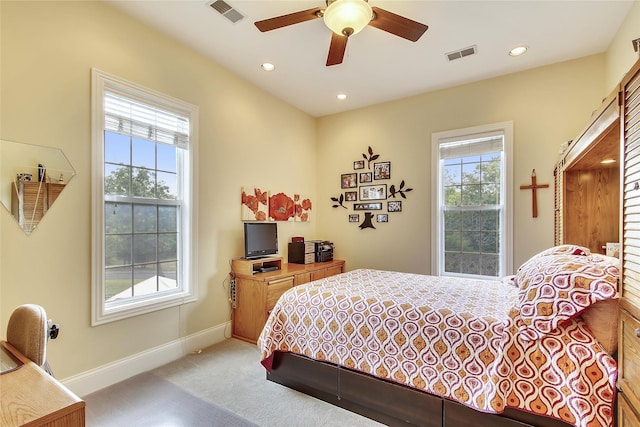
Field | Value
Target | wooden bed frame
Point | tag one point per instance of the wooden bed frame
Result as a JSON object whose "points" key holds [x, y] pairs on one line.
{"points": [[389, 403]]}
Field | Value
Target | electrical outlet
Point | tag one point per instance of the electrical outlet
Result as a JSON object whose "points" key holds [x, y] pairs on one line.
{"points": [[233, 294]]}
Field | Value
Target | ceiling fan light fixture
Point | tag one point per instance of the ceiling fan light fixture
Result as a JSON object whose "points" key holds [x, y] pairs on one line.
{"points": [[347, 17]]}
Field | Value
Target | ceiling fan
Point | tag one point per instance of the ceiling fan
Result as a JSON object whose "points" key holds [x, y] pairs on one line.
{"points": [[346, 18]]}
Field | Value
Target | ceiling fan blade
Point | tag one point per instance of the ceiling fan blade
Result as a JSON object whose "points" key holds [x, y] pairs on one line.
{"points": [[336, 49], [289, 19], [397, 25]]}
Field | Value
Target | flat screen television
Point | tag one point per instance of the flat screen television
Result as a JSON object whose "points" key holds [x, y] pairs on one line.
{"points": [[260, 239]]}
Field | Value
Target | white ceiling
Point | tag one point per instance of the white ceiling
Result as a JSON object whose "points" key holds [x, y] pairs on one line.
{"points": [[379, 66]]}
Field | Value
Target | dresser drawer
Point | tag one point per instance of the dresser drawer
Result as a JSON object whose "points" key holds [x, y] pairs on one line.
{"points": [[332, 271], [302, 278], [626, 415], [318, 274], [629, 358], [276, 288]]}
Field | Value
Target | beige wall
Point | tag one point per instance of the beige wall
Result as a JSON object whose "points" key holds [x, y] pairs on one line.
{"points": [[547, 105], [620, 55], [247, 137]]}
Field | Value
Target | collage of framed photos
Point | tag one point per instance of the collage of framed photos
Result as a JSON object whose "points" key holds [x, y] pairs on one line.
{"points": [[368, 188]]}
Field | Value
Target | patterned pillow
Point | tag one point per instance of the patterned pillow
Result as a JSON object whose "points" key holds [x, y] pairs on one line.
{"points": [[510, 281], [555, 250], [560, 250], [555, 288], [602, 320], [566, 250]]}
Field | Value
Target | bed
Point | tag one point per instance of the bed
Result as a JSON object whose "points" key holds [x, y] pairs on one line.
{"points": [[534, 349]]}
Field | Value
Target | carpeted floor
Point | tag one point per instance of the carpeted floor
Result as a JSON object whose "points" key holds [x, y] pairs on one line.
{"points": [[224, 385], [148, 400]]}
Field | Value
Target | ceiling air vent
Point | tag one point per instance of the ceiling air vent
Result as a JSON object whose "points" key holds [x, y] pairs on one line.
{"points": [[471, 50], [224, 9]]}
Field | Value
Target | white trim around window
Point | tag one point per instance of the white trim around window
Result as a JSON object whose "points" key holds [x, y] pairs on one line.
{"points": [[186, 291], [477, 132]]}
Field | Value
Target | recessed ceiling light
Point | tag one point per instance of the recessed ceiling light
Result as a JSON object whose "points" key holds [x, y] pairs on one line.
{"points": [[268, 66], [518, 50], [607, 161], [342, 96]]}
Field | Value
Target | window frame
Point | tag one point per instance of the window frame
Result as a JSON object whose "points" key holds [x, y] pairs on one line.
{"points": [[188, 292], [437, 239]]}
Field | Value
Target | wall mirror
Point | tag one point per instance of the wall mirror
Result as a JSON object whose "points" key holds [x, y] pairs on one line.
{"points": [[32, 177]]}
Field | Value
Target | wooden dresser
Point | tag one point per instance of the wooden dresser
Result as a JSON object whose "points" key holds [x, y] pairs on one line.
{"points": [[256, 293], [629, 330], [31, 397]]}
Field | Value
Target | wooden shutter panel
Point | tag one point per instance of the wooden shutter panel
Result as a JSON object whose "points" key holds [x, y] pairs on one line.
{"points": [[631, 270]]}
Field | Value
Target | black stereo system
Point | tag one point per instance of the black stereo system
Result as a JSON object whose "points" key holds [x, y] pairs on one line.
{"points": [[310, 251]]}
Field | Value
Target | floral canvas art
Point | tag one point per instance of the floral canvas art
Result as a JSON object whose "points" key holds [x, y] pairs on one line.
{"points": [[281, 208], [261, 205], [255, 204], [303, 208]]}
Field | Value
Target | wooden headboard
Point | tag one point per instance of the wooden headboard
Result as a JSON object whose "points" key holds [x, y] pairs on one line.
{"points": [[587, 191]]}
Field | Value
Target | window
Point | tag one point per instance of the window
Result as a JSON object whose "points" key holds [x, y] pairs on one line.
{"points": [[471, 221], [143, 206]]}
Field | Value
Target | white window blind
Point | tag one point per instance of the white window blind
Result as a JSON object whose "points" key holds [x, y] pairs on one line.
{"points": [[474, 147], [141, 120]]}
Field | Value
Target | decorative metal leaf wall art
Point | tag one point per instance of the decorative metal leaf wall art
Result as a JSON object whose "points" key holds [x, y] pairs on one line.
{"points": [[371, 157], [339, 201], [401, 191], [367, 223], [355, 193]]}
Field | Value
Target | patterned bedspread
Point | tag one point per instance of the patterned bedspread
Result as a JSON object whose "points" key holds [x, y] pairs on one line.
{"points": [[456, 338]]}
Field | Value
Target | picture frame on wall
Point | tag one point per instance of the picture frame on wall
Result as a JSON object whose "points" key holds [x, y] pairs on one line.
{"points": [[366, 177], [354, 217], [373, 192], [382, 170], [394, 206], [382, 218], [349, 180], [367, 206], [350, 196], [358, 164]]}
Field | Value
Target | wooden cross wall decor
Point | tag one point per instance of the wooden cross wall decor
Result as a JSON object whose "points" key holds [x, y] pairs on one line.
{"points": [[533, 187]]}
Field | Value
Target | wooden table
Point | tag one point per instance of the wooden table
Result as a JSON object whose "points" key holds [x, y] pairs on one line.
{"points": [[31, 397]]}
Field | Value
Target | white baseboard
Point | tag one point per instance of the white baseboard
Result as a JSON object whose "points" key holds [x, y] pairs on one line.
{"points": [[95, 379]]}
